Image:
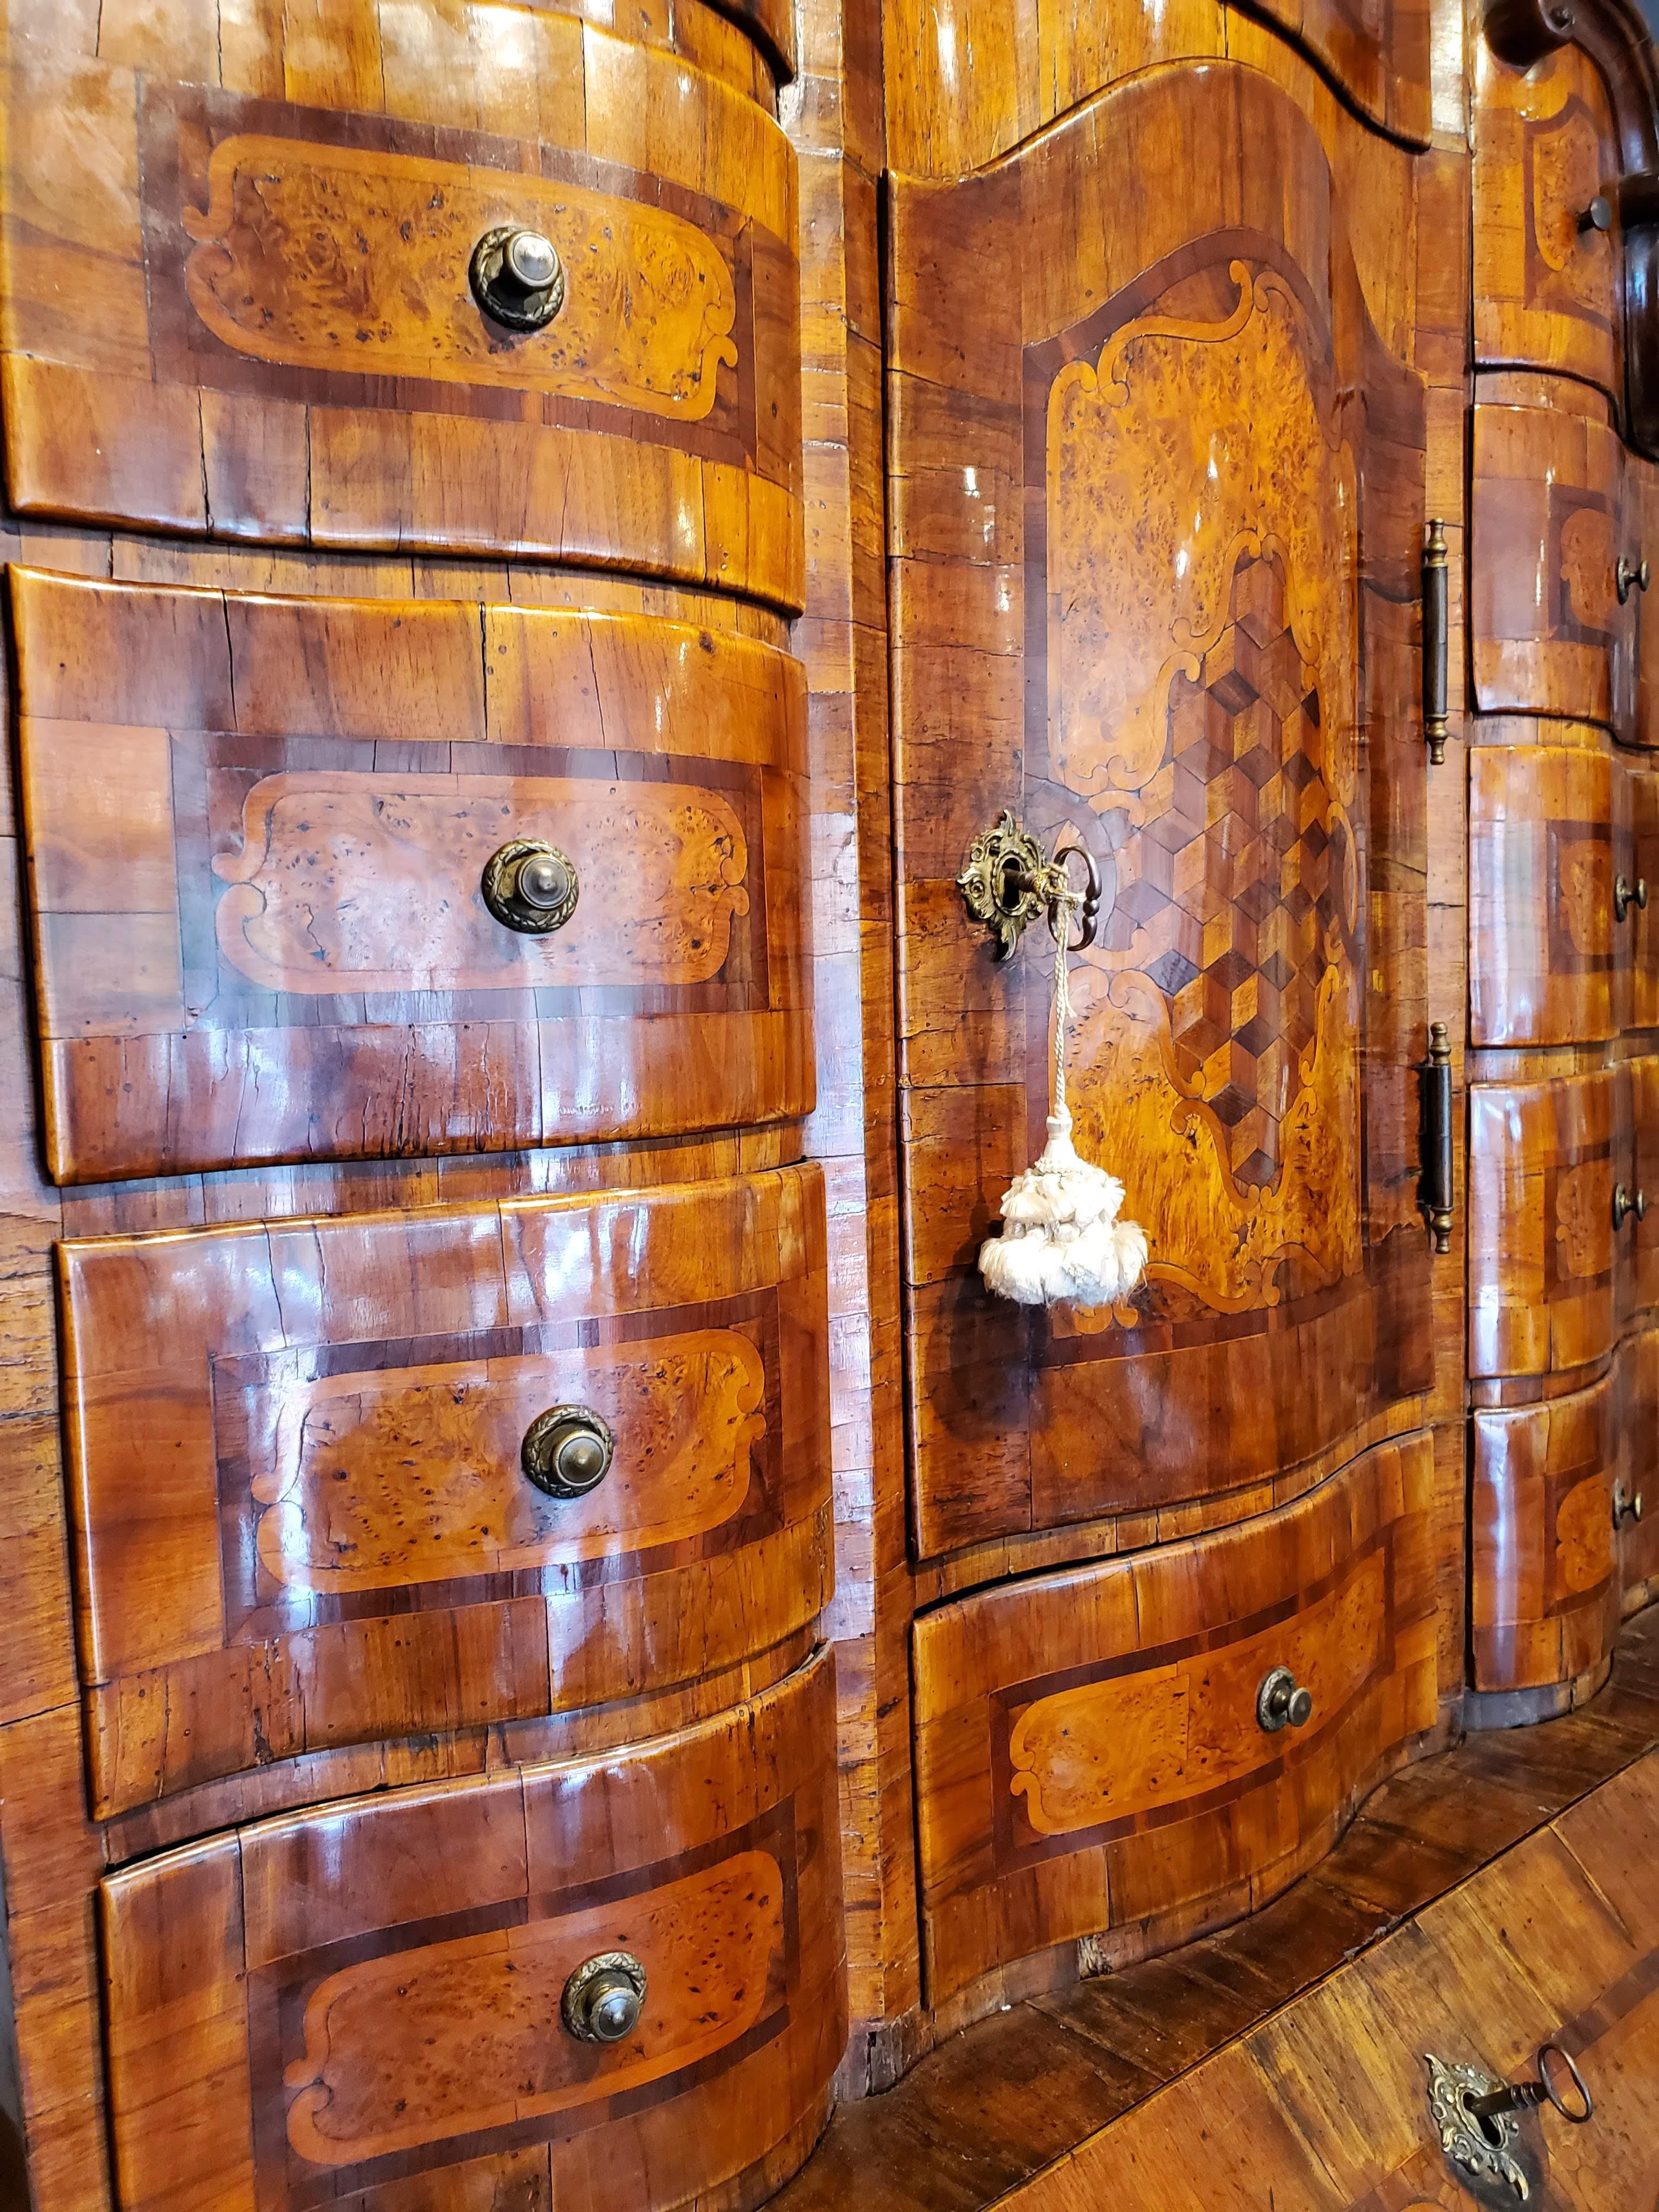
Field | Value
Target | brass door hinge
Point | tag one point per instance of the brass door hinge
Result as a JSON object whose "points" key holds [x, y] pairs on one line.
{"points": [[1436, 624], [1434, 1096]]}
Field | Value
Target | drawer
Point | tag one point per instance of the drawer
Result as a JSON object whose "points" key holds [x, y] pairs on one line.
{"points": [[1544, 1585], [308, 1509], [1130, 1789], [254, 316], [1642, 795], [1636, 1503], [258, 834], [1549, 958], [1548, 1269], [1554, 511], [368, 2000], [1548, 294]]}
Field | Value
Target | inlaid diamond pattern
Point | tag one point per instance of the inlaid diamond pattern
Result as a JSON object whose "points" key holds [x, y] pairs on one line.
{"points": [[1230, 892]]}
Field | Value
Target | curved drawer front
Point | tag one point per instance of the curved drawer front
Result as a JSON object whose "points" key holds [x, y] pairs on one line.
{"points": [[368, 2000], [1132, 1779], [256, 316], [1544, 1587], [299, 1481], [1638, 1504], [1641, 788], [1549, 1272], [258, 830], [1549, 293], [1549, 961], [1552, 515]]}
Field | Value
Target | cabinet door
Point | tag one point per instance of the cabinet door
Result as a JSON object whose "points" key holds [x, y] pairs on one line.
{"points": [[1158, 505]]}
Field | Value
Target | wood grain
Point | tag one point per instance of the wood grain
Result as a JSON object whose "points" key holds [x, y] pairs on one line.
{"points": [[360, 1996], [251, 316], [299, 1507], [1089, 1758], [257, 832], [1246, 1022]]}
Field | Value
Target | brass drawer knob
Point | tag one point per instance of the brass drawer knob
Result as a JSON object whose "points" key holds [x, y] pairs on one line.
{"points": [[1624, 1203], [1626, 1504], [1283, 1702], [530, 886], [517, 277], [1626, 895], [567, 1451], [1598, 216], [1624, 577], [604, 1998]]}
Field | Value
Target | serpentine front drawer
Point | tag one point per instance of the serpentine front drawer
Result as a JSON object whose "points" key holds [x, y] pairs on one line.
{"points": [[279, 913], [280, 305], [339, 1479], [1203, 1713], [616, 1983]]}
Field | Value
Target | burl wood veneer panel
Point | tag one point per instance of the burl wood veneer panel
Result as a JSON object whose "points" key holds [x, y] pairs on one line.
{"points": [[1545, 1573], [1551, 1271], [1088, 1754], [1157, 500], [362, 2002], [1323, 2107], [1549, 293], [299, 1516], [257, 829], [1550, 959], [1554, 509], [234, 294]]}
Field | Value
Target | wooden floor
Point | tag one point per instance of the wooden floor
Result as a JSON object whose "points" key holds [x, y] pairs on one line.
{"points": [[988, 2108]]}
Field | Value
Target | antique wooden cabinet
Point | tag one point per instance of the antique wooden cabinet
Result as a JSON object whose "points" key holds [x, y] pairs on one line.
{"points": [[555, 1623]]}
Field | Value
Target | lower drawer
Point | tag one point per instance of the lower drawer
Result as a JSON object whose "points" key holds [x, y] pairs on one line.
{"points": [[384, 2001], [1544, 1585], [1091, 1756], [1635, 1497], [310, 1508]]}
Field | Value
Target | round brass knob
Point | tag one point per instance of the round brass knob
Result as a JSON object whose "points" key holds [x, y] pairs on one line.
{"points": [[1626, 895], [1624, 577], [1598, 216], [604, 1998], [517, 277], [531, 887], [1626, 1504], [567, 1451], [1627, 1202], [1282, 1701]]}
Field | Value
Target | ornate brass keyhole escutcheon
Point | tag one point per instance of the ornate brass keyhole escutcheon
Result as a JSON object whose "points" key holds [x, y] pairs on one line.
{"points": [[517, 277], [1282, 1702], [604, 1998], [1624, 577], [1626, 895], [567, 1451], [530, 886], [1473, 2115], [1007, 880]]}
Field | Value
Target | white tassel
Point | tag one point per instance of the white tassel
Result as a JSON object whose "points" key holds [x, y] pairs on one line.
{"points": [[1061, 1238]]}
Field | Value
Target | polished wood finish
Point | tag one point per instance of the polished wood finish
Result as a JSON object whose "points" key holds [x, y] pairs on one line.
{"points": [[1553, 510], [1549, 957], [257, 828], [1246, 1024], [1544, 1585], [253, 316], [1548, 286], [353, 1998], [966, 86], [1089, 1758], [1544, 1257], [1324, 2106], [294, 1451], [993, 2106]]}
